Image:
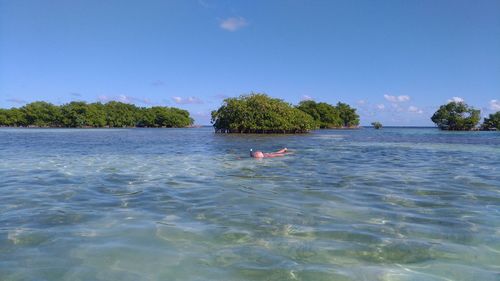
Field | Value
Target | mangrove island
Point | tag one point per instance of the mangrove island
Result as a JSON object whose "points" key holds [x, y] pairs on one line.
{"points": [[259, 113], [79, 114]]}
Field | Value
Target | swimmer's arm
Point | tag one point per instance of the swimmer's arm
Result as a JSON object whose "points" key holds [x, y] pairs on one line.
{"points": [[271, 155]]}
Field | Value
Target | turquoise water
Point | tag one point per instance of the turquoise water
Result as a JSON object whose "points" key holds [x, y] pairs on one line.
{"points": [[187, 204]]}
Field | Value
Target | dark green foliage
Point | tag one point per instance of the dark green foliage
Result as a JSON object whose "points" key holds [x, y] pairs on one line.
{"points": [[328, 116], [348, 115], [492, 122], [456, 116], [159, 116], [79, 114], [119, 114], [3, 116], [96, 115], [74, 114], [377, 125], [259, 113], [12, 117], [42, 114]]}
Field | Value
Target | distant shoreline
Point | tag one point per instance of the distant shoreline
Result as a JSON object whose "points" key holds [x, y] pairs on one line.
{"points": [[204, 126], [134, 127]]}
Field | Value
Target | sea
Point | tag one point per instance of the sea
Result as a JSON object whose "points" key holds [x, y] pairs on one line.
{"points": [[189, 204]]}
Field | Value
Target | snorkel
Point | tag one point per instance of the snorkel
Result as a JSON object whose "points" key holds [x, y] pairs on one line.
{"points": [[251, 152]]}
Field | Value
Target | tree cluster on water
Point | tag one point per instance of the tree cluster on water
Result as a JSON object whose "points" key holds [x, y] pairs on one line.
{"points": [[492, 122], [259, 113], [80, 114], [377, 125], [458, 116], [327, 116]]}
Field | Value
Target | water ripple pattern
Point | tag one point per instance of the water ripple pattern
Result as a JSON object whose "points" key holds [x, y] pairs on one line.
{"points": [[188, 204]]}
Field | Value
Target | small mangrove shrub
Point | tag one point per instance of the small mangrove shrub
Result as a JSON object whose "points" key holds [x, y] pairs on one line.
{"points": [[377, 125]]}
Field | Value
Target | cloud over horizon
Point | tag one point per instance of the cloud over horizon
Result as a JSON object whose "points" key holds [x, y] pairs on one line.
{"points": [[306, 97], [188, 100], [124, 99], [401, 98], [456, 99], [414, 109], [234, 23], [495, 105]]}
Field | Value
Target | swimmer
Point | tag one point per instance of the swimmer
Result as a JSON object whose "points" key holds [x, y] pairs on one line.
{"points": [[260, 154]]}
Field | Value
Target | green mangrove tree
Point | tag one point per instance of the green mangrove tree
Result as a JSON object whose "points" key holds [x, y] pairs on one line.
{"points": [[259, 113], [492, 122], [329, 116], [456, 116]]}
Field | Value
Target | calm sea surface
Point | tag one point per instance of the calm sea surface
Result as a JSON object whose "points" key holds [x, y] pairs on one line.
{"points": [[187, 204]]}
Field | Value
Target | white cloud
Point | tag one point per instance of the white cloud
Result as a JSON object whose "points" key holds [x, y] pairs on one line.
{"points": [[456, 99], [361, 102], [414, 109], [124, 99], [306, 97], [233, 24], [188, 100], [146, 101], [401, 98], [396, 107], [495, 105], [391, 98], [103, 98], [381, 106]]}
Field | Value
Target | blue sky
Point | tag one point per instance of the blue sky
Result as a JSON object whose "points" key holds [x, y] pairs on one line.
{"points": [[396, 61]]}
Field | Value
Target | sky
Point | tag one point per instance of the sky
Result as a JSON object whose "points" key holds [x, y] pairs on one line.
{"points": [[395, 61]]}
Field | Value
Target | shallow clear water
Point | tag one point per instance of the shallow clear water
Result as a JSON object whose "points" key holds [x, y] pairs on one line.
{"points": [[187, 204]]}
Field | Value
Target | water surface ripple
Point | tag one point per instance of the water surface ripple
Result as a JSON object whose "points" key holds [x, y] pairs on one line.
{"points": [[187, 204]]}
